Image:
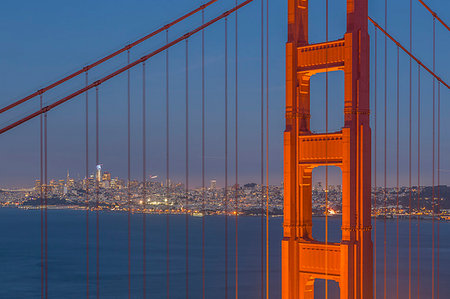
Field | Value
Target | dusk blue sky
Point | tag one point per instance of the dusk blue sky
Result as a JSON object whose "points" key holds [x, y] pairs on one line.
{"points": [[45, 40]]}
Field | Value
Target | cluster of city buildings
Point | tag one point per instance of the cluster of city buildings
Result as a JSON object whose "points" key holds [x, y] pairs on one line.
{"points": [[101, 191]]}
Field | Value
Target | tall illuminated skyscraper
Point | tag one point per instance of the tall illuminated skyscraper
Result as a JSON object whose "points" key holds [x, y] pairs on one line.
{"points": [[99, 172], [213, 185]]}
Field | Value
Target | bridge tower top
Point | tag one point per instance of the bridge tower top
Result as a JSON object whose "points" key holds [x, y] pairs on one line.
{"points": [[305, 259], [298, 19]]}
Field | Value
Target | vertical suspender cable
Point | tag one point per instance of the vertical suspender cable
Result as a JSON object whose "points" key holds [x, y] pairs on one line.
{"points": [[144, 181], [438, 182], [129, 177], [236, 197], [45, 203], [97, 191], [418, 181], [203, 158], [267, 149], [187, 169], [432, 196], [226, 158], [375, 170], [326, 151], [42, 199], [410, 154], [167, 169], [398, 157], [87, 184], [385, 148], [262, 149]]}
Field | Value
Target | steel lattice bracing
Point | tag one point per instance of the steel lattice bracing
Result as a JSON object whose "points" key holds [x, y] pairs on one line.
{"points": [[303, 258]]}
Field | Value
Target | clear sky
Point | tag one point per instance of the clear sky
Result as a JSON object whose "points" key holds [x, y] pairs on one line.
{"points": [[45, 40]]}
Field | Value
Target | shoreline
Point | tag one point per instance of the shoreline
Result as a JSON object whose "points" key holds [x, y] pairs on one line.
{"points": [[443, 218]]}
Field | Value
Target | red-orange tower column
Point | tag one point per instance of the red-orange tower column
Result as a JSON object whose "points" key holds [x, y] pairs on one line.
{"points": [[303, 258]]}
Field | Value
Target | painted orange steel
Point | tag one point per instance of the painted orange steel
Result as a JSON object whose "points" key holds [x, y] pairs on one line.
{"points": [[434, 15], [303, 258]]}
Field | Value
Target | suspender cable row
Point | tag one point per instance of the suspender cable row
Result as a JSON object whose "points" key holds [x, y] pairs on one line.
{"points": [[112, 55], [123, 69]]}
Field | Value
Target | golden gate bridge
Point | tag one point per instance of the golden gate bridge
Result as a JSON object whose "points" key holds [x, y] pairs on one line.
{"points": [[352, 262]]}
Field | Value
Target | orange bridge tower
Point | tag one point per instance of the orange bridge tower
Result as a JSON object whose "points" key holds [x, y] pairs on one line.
{"points": [[303, 258]]}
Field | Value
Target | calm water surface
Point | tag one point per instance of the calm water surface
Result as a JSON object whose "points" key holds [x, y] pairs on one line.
{"points": [[20, 258]]}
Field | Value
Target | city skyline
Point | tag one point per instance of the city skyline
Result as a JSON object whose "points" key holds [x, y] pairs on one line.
{"points": [[162, 198]]}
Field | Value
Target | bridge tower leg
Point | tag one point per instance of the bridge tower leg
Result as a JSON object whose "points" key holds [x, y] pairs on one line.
{"points": [[305, 259]]}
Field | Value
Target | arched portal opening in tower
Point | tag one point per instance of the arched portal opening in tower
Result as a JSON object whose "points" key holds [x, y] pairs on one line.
{"points": [[327, 195]]}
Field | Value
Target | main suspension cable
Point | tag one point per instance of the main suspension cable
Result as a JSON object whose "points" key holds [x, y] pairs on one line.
{"points": [[435, 16]]}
